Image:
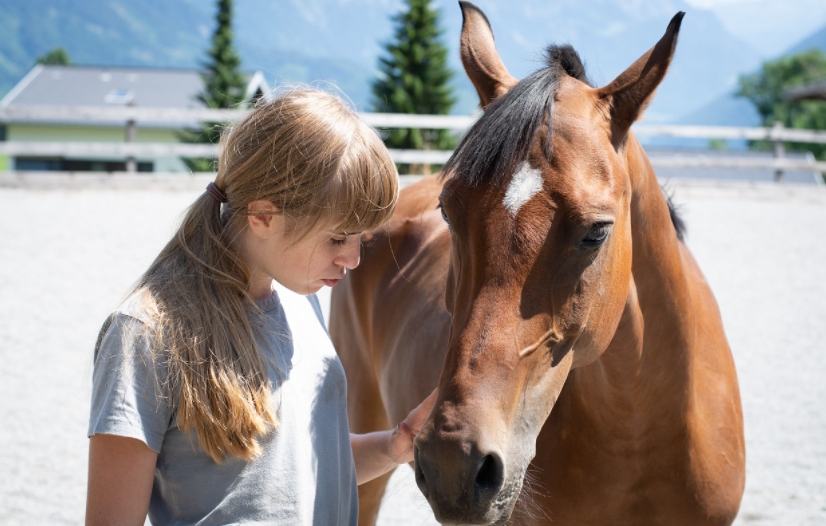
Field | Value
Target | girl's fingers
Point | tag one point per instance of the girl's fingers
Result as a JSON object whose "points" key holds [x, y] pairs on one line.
{"points": [[417, 416]]}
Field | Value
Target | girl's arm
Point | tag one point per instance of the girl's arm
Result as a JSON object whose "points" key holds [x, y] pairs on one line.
{"points": [[377, 453], [121, 473]]}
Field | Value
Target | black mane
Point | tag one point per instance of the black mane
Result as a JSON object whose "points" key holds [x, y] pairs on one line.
{"points": [[501, 138]]}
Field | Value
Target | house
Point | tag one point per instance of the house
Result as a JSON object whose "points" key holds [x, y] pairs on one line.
{"points": [[811, 91], [102, 87]]}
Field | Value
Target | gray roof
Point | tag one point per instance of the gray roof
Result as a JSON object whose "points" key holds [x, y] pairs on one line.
{"points": [[92, 86], [100, 86]]}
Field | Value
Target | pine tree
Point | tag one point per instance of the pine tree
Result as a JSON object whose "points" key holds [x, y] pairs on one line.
{"points": [[414, 78], [224, 84], [56, 57]]}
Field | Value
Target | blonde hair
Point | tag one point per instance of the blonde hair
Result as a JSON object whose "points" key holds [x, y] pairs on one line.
{"points": [[317, 162]]}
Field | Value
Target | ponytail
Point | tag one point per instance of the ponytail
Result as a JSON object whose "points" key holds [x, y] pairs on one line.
{"points": [[199, 286]]}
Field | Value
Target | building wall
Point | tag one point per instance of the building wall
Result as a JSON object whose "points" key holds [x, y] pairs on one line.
{"points": [[4, 159], [29, 132]]}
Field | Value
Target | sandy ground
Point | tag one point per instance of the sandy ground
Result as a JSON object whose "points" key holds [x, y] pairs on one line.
{"points": [[67, 257]]}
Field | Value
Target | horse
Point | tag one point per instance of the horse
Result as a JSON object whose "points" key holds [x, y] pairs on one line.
{"points": [[542, 283]]}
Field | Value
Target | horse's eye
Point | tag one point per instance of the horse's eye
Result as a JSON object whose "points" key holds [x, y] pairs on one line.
{"points": [[596, 235], [444, 215]]}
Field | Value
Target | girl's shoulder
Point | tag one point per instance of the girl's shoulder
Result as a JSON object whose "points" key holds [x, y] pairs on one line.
{"points": [[132, 324], [141, 306]]}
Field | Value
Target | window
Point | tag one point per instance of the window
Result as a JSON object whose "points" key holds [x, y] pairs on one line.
{"points": [[77, 165], [119, 96]]}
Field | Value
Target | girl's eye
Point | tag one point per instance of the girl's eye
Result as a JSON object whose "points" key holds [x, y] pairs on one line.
{"points": [[339, 240]]}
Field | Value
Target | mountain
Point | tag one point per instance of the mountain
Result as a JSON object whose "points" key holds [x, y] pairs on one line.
{"points": [[771, 26], [174, 33], [816, 40], [609, 35], [728, 110], [99, 32], [340, 40]]}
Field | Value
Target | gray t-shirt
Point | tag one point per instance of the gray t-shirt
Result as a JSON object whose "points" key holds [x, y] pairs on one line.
{"points": [[306, 473]]}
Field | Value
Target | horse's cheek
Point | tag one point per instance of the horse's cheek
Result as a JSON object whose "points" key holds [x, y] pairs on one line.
{"points": [[450, 289]]}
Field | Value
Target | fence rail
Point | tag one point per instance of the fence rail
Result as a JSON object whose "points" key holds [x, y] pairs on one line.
{"points": [[132, 116], [144, 150], [125, 114], [106, 149]]}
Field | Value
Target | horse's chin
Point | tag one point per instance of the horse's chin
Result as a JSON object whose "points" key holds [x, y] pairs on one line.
{"points": [[498, 512]]}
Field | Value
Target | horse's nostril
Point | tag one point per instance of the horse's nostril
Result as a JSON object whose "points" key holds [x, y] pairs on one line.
{"points": [[489, 478]]}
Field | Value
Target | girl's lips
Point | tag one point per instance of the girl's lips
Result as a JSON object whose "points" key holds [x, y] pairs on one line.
{"points": [[330, 282]]}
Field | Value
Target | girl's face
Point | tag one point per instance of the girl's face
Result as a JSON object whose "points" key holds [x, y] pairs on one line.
{"points": [[272, 253], [315, 261]]}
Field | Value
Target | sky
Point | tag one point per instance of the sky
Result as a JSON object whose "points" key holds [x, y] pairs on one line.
{"points": [[768, 25]]}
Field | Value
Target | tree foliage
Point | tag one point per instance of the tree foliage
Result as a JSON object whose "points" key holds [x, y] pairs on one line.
{"points": [[224, 83], [56, 57], [765, 89], [415, 78]]}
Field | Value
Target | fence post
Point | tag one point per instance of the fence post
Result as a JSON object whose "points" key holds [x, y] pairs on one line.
{"points": [[818, 176], [779, 149], [131, 164], [131, 133]]}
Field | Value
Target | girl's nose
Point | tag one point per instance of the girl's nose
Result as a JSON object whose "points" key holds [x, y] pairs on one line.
{"points": [[351, 257]]}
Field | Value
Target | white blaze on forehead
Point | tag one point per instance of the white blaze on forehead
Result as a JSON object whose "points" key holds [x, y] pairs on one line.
{"points": [[525, 184]]}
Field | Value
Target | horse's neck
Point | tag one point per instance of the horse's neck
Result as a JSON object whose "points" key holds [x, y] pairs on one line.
{"points": [[645, 372], [659, 271]]}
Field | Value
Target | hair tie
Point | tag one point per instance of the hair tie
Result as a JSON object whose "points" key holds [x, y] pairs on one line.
{"points": [[216, 193]]}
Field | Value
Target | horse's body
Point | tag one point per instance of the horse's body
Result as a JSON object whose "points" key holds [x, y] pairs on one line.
{"points": [[566, 288]]}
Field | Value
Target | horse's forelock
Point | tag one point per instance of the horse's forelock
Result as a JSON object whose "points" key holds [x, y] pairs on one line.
{"points": [[501, 139], [566, 58]]}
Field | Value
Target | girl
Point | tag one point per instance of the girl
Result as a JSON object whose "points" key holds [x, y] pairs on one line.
{"points": [[217, 395]]}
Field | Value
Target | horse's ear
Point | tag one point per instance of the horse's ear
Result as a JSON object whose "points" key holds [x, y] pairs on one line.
{"points": [[629, 94], [480, 58]]}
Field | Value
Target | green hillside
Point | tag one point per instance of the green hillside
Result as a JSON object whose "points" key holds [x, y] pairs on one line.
{"points": [[98, 32], [173, 33]]}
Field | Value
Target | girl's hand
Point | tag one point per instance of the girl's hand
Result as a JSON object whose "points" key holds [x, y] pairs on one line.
{"points": [[401, 443]]}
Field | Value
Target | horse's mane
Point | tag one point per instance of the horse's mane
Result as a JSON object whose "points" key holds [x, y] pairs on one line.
{"points": [[501, 138]]}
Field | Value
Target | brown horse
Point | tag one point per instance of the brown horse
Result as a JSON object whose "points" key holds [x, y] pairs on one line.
{"points": [[542, 284]]}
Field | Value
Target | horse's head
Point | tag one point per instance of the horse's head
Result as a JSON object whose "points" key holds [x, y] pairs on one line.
{"points": [[538, 198]]}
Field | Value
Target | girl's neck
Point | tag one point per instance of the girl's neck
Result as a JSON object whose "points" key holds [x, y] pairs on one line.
{"points": [[260, 283], [261, 287]]}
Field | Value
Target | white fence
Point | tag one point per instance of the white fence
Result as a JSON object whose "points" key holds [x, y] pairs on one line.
{"points": [[132, 117]]}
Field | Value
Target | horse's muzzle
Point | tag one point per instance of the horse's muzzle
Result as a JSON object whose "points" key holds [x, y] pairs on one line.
{"points": [[461, 487]]}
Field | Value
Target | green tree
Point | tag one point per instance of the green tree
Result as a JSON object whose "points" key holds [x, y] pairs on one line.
{"points": [[56, 57], [224, 84], [415, 78], [765, 89]]}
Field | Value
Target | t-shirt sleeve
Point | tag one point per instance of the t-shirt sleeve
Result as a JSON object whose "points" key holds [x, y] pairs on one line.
{"points": [[129, 394]]}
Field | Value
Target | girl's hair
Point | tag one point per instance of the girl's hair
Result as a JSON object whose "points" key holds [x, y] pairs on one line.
{"points": [[309, 154]]}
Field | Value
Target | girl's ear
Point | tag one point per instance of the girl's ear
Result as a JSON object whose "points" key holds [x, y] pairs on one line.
{"points": [[261, 217]]}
